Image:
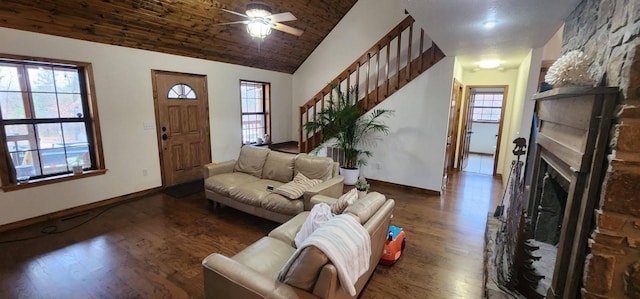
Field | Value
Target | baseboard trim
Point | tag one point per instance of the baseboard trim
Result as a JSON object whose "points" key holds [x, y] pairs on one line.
{"points": [[410, 188], [76, 210]]}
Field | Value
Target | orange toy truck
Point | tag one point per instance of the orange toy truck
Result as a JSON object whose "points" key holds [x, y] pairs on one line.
{"points": [[394, 246]]}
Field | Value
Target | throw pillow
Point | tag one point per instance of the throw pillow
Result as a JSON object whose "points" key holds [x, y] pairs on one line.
{"points": [[344, 201], [318, 215], [296, 188]]}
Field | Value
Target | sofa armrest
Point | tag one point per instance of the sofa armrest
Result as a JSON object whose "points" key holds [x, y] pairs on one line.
{"points": [[226, 278], [331, 187], [218, 168], [316, 199]]}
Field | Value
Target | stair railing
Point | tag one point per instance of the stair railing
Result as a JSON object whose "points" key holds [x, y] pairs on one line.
{"points": [[387, 66]]}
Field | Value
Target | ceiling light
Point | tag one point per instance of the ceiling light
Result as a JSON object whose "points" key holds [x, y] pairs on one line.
{"points": [[489, 64], [258, 10], [258, 28], [489, 24]]}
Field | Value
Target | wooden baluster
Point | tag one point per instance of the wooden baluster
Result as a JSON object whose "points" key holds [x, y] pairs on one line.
{"points": [[421, 51], [386, 71], [366, 96], [301, 141], [377, 74], [358, 81], [409, 53], [398, 61], [432, 59]]}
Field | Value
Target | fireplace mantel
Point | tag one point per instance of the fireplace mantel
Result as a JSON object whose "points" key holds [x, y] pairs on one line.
{"points": [[572, 138]]}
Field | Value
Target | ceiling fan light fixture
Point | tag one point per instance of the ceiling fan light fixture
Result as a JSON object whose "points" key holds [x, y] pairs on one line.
{"points": [[258, 28], [258, 10]]}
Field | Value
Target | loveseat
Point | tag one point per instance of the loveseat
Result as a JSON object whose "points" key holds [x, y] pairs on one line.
{"points": [[245, 183], [254, 271]]}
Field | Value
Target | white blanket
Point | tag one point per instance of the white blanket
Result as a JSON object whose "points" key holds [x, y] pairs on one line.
{"points": [[319, 215], [347, 245]]}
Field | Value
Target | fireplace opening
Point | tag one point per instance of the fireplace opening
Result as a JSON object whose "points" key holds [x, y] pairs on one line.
{"points": [[543, 248]]}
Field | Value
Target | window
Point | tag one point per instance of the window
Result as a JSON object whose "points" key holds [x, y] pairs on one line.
{"points": [[487, 107], [254, 98], [48, 120]]}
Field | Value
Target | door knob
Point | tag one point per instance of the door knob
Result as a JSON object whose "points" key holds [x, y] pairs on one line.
{"points": [[165, 137]]}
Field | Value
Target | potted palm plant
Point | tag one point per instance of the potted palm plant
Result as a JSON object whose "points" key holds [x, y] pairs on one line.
{"points": [[344, 126]]}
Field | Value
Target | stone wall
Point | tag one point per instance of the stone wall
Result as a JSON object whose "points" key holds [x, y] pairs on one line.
{"points": [[607, 31]]}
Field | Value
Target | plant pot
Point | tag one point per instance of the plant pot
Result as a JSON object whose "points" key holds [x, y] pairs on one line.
{"points": [[77, 169], [361, 194], [350, 175]]}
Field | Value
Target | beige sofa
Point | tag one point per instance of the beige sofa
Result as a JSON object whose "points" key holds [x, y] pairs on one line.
{"points": [[253, 272], [242, 183]]}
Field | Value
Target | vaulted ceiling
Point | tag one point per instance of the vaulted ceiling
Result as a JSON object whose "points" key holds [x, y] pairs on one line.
{"points": [[182, 27]]}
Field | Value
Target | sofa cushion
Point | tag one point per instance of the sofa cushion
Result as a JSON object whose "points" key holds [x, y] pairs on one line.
{"points": [[279, 204], [251, 160], [304, 271], [253, 193], [267, 256], [295, 189], [366, 206], [225, 182], [314, 167], [278, 167], [344, 201]]}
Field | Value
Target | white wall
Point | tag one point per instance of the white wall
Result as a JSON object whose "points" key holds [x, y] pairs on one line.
{"points": [[413, 152], [125, 101], [483, 139], [495, 77]]}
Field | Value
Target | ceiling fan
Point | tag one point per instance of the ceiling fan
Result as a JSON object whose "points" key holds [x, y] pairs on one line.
{"points": [[260, 21]]}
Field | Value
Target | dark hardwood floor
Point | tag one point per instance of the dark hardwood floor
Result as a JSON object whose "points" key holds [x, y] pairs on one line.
{"points": [[152, 247]]}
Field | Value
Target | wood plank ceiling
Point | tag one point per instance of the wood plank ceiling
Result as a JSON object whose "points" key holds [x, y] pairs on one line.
{"points": [[182, 27]]}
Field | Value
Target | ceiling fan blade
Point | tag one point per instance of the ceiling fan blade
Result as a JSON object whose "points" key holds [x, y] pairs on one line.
{"points": [[229, 23], [282, 17], [233, 12], [287, 29]]}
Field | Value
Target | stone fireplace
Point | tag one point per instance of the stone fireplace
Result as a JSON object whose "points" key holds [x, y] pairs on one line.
{"points": [[598, 250]]}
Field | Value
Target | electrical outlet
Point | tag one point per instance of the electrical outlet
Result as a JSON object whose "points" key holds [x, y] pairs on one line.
{"points": [[145, 172]]}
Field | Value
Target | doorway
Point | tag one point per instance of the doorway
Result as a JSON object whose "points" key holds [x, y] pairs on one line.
{"points": [[452, 131], [482, 128], [182, 124]]}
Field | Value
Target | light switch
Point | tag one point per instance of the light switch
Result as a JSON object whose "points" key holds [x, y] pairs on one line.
{"points": [[148, 126]]}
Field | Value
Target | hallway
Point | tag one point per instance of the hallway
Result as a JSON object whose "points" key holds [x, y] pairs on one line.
{"points": [[153, 246]]}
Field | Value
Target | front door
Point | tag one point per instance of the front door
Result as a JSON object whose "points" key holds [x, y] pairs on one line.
{"points": [[182, 122]]}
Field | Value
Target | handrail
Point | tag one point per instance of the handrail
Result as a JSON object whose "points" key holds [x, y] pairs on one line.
{"points": [[395, 75]]}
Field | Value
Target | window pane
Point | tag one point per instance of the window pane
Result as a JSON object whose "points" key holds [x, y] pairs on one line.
{"points": [[181, 91], [67, 81], [70, 105], [41, 79], [49, 135], [9, 79], [12, 105], [16, 130], [75, 140], [45, 105]]}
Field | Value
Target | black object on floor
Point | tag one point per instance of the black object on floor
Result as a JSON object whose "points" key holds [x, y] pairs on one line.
{"points": [[184, 189]]}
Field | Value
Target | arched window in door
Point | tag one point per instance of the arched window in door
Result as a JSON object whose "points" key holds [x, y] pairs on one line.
{"points": [[181, 91]]}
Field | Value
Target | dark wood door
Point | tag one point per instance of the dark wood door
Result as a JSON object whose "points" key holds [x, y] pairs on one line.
{"points": [[182, 119], [468, 130], [452, 131]]}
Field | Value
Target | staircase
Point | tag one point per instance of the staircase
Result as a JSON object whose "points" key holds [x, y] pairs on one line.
{"points": [[386, 67]]}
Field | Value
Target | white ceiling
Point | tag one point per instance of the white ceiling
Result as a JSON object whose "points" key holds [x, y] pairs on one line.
{"points": [[457, 28]]}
